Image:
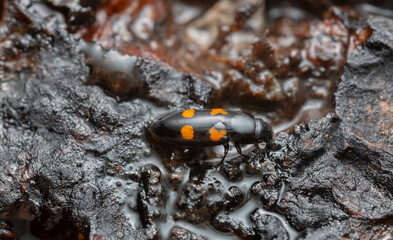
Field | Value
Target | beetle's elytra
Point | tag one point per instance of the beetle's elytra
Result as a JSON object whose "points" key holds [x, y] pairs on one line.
{"points": [[210, 127]]}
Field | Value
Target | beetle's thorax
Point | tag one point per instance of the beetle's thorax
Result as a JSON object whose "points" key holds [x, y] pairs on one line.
{"points": [[263, 132]]}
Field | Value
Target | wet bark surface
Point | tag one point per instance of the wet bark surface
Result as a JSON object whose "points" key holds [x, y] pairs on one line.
{"points": [[77, 163]]}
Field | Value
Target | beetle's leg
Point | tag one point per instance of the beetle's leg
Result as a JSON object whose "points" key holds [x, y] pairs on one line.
{"points": [[238, 149], [226, 150]]}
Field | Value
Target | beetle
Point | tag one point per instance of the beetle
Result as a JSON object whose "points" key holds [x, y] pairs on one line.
{"points": [[210, 127]]}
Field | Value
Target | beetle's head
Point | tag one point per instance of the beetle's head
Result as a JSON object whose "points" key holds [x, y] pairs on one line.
{"points": [[263, 132]]}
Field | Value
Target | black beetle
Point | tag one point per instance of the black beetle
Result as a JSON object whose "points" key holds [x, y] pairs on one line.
{"points": [[210, 127]]}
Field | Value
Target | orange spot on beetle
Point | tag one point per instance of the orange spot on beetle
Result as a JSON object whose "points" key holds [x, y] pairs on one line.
{"points": [[80, 236], [187, 132], [216, 111], [216, 135], [188, 113]]}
